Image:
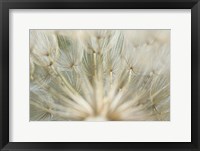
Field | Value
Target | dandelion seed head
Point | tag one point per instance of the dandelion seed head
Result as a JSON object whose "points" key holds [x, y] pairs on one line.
{"points": [[100, 75]]}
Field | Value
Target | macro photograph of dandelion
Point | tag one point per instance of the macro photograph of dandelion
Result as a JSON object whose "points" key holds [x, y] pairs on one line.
{"points": [[99, 75]]}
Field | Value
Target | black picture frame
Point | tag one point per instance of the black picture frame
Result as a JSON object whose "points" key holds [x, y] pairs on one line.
{"points": [[5, 5]]}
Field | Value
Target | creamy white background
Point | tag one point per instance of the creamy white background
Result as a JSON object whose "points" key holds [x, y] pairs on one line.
{"points": [[178, 129]]}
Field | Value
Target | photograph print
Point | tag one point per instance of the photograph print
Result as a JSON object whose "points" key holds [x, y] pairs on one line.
{"points": [[99, 75]]}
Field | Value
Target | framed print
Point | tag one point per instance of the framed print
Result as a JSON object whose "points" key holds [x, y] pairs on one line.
{"points": [[99, 75]]}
